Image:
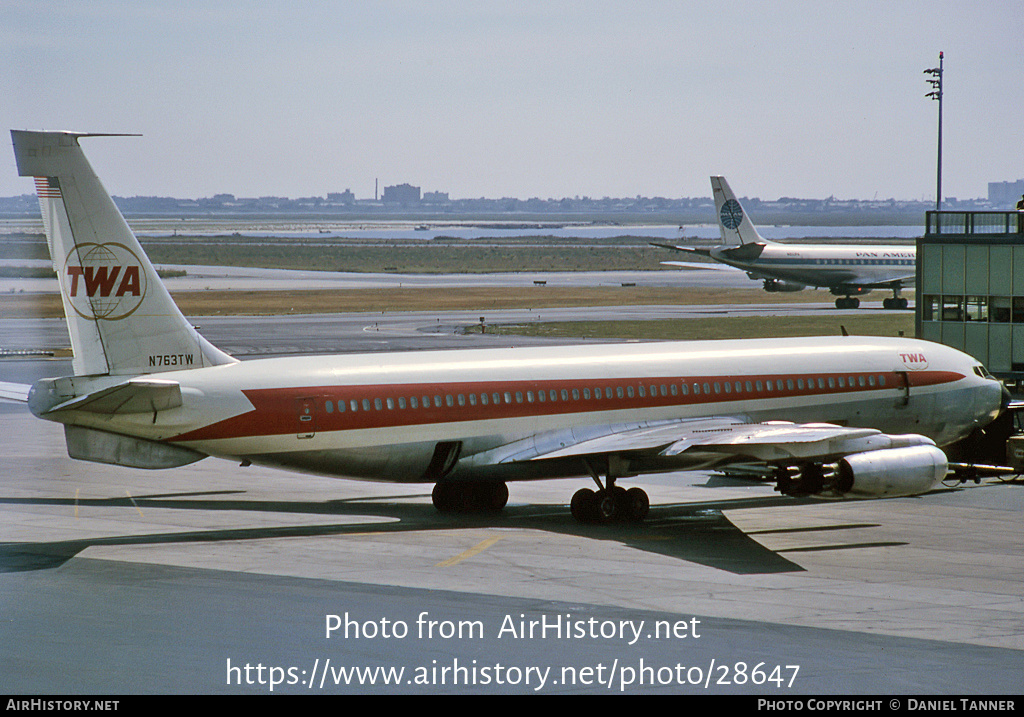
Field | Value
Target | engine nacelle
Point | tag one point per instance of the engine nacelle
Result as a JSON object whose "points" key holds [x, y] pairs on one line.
{"points": [[892, 472], [774, 285]]}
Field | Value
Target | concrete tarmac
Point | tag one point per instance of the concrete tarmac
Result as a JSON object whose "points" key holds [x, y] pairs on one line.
{"points": [[214, 578]]}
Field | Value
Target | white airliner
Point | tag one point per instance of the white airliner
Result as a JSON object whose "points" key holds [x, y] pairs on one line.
{"points": [[834, 417], [847, 270]]}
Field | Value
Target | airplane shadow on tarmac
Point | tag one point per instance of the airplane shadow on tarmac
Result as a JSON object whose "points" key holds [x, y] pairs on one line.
{"points": [[696, 532]]}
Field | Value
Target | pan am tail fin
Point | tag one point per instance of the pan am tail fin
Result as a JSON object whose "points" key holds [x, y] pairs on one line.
{"points": [[120, 317], [733, 222]]}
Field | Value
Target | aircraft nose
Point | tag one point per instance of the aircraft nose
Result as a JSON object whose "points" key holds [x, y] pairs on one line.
{"points": [[999, 406]]}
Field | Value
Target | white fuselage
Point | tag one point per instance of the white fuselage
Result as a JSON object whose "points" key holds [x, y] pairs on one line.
{"points": [[382, 416], [823, 265]]}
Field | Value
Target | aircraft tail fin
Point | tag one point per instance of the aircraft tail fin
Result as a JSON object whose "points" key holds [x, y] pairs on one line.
{"points": [[121, 318], [733, 222]]}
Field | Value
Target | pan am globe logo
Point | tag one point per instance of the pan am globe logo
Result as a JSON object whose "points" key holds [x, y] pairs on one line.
{"points": [[104, 281], [731, 214]]}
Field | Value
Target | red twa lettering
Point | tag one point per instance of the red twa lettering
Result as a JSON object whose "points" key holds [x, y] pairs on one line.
{"points": [[130, 282], [102, 279]]}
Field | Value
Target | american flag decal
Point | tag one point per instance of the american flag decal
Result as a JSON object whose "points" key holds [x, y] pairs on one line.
{"points": [[48, 187]]}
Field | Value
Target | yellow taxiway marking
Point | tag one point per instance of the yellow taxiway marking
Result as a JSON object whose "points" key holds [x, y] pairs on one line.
{"points": [[478, 548], [133, 502], [76, 501]]}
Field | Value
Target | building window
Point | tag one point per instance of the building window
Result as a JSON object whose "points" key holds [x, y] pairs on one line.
{"points": [[1018, 310], [977, 308], [952, 308]]}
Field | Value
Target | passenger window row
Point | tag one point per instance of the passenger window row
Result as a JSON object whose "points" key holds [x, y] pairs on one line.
{"points": [[746, 387]]}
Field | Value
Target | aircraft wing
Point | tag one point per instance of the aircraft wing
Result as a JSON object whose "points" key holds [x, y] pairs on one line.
{"points": [[14, 391], [721, 439], [887, 284], [702, 250], [701, 265]]}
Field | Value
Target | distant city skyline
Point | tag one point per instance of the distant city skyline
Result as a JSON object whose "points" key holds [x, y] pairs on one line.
{"points": [[546, 100]]}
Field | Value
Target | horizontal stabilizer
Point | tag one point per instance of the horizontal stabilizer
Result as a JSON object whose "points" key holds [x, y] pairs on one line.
{"points": [[139, 395], [14, 391]]}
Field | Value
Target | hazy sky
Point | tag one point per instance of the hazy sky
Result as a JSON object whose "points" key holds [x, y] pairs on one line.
{"points": [[524, 99]]}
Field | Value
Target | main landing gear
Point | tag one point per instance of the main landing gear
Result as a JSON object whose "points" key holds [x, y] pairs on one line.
{"points": [[897, 302], [609, 503]]}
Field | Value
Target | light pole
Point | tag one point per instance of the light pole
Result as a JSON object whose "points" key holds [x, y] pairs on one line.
{"points": [[936, 94]]}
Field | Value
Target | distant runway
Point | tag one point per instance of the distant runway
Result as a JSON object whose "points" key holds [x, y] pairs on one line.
{"points": [[370, 331], [225, 278], [398, 331]]}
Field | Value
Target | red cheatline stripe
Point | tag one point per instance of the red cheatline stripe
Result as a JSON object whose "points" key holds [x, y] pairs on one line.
{"points": [[277, 409]]}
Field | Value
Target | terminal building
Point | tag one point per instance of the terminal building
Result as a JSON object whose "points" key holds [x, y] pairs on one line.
{"points": [[970, 287]]}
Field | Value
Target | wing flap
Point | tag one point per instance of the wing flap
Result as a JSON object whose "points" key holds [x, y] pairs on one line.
{"points": [[653, 438]]}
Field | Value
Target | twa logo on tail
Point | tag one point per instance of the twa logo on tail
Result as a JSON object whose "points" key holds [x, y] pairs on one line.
{"points": [[104, 281]]}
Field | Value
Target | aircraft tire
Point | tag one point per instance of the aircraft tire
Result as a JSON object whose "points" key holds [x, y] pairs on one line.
{"points": [[582, 504], [493, 497], [607, 506], [637, 504], [465, 497], [443, 497]]}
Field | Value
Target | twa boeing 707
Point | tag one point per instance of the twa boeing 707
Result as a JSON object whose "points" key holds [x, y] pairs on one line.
{"points": [[831, 417], [847, 270]]}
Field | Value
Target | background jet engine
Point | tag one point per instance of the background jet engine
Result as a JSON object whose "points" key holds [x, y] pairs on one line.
{"points": [[780, 285]]}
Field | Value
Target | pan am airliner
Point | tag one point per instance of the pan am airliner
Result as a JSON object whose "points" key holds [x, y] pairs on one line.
{"points": [[831, 417], [847, 270]]}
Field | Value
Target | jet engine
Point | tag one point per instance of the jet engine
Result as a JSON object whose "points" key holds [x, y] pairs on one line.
{"points": [[891, 472], [780, 285]]}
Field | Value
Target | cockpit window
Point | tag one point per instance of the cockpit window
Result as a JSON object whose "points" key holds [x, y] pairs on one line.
{"points": [[982, 371]]}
